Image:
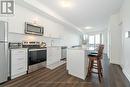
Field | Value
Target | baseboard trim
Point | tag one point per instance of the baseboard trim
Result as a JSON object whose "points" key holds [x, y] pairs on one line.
{"points": [[126, 74], [115, 63]]}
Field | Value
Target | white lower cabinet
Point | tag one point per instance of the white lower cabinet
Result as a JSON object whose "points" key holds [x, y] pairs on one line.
{"points": [[18, 62], [53, 54]]}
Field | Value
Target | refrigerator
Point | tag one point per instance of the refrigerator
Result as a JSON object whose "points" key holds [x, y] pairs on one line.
{"points": [[4, 64]]}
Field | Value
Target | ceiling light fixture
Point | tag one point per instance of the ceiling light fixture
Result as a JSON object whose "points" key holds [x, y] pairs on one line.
{"points": [[88, 27], [66, 3]]}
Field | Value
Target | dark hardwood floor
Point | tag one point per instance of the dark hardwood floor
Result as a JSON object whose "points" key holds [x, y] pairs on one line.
{"points": [[113, 77]]}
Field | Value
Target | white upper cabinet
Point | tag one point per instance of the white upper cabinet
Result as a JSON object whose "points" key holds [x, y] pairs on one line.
{"points": [[16, 26]]}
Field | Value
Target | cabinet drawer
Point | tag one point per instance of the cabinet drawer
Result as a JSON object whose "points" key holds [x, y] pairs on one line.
{"points": [[18, 52], [15, 66], [18, 60], [22, 63], [18, 69]]}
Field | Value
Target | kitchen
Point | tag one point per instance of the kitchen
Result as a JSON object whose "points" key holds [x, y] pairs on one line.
{"points": [[21, 58], [53, 40], [28, 56], [25, 57], [64, 43]]}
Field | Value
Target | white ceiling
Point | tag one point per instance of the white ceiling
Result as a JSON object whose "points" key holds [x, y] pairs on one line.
{"points": [[84, 13]]}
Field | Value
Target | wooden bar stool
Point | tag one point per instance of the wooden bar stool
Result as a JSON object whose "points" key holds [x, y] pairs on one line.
{"points": [[95, 63]]}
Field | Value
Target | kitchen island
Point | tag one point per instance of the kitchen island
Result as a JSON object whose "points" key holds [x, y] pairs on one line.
{"points": [[77, 62]]}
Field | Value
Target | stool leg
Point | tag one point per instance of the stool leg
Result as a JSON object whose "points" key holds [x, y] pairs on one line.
{"points": [[89, 68], [92, 62], [101, 69], [99, 73]]}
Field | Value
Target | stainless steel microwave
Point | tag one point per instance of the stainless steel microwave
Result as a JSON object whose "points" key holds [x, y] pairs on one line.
{"points": [[33, 29]]}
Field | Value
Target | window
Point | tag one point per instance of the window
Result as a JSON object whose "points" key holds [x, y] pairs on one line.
{"points": [[94, 41], [85, 39], [97, 39], [91, 42]]}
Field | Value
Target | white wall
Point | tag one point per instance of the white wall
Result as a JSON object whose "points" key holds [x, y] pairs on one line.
{"points": [[105, 40], [114, 31], [119, 24], [63, 35], [125, 11]]}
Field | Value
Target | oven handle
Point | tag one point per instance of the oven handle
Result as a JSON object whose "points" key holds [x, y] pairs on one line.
{"points": [[37, 49]]}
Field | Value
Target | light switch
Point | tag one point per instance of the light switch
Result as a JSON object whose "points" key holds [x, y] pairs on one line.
{"points": [[127, 34]]}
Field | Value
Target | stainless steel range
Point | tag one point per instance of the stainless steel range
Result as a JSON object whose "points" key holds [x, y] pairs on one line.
{"points": [[36, 55]]}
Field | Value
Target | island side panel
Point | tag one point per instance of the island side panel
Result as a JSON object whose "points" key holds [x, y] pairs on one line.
{"points": [[77, 63]]}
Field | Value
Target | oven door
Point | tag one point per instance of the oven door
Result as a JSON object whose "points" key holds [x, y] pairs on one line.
{"points": [[36, 56]]}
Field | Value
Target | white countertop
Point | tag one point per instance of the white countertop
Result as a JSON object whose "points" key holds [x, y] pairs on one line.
{"points": [[18, 48], [56, 46], [78, 48]]}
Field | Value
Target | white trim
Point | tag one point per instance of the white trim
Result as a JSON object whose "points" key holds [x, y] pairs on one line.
{"points": [[126, 74], [115, 63]]}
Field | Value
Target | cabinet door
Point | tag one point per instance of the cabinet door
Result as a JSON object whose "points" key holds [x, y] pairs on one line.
{"points": [[49, 56], [57, 54], [17, 23], [53, 55]]}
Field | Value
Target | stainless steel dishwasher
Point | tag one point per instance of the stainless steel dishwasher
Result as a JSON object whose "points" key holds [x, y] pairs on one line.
{"points": [[63, 52]]}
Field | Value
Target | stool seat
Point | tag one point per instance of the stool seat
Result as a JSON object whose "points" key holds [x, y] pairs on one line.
{"points": [[93, 52], [92, 55]]}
